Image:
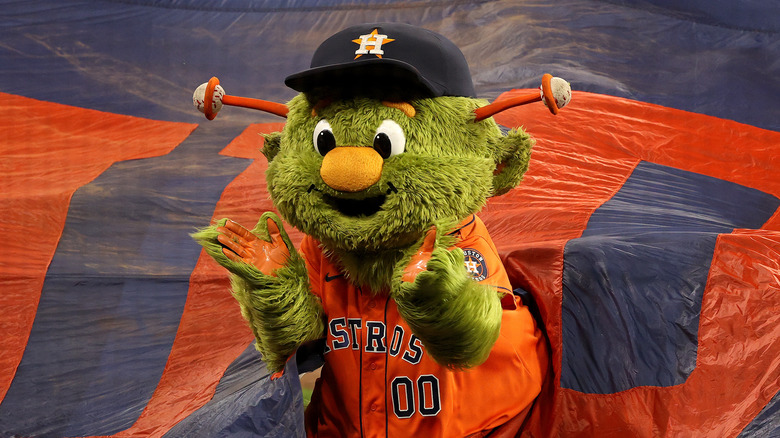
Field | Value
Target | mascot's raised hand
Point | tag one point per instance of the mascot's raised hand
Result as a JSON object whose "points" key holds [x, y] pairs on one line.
{"points": [[384, 161], [456, 318], [267, 253], [269, 281]]}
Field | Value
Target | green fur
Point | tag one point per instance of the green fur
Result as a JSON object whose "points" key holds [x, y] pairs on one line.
{"points": [[372, 269], [379, 269], [450, 166], [446, 171], [445, 174], [514, 153], [281, 310], [271, 145], [458, 320]]}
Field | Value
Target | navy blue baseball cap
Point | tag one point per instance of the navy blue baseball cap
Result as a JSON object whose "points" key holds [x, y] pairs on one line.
{"points": [[386, 60]]}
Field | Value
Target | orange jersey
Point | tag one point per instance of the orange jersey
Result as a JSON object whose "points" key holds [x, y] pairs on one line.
{"points": [[378, 381]]}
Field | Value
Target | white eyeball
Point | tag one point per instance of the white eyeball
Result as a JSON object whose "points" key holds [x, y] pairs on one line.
{"points": [[389, 139], [323, 138]]}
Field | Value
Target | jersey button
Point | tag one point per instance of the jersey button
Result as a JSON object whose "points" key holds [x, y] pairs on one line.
{"points": [[371, 304], [372, 366], [374, 407]]}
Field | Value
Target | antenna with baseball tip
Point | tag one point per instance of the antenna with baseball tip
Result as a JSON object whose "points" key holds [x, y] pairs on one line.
{"points": [[210, 96], [554, 92]]}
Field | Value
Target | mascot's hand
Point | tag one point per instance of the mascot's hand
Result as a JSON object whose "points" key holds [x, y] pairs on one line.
{"points": [[253, 256], [456, 318], [267, 254], [270, 283]]}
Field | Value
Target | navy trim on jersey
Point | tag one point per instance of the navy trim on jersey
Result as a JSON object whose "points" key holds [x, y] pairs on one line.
{"points": [[473, 219]]}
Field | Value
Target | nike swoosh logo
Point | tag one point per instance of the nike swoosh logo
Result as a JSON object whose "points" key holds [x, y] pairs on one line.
{"points": [[329, 278]]}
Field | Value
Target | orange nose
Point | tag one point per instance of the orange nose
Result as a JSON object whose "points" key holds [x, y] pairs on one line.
{"points": [[351, 169]]}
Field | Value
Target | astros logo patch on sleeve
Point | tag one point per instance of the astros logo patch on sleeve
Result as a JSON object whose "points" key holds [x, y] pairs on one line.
{"points": [[475, 264]]}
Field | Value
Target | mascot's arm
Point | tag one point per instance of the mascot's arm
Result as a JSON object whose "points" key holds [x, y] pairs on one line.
{"points": [[457, 319], [270, 283]]}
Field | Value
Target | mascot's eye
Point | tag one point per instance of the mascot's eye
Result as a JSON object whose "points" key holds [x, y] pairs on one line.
{"points": [[390, 139], [324, 141]]}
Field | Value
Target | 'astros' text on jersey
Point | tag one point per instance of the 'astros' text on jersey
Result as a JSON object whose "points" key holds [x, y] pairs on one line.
{"points": [[378, 381]]}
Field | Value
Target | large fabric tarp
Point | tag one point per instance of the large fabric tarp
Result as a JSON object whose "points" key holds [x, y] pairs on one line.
{"points": [[646, 229]]}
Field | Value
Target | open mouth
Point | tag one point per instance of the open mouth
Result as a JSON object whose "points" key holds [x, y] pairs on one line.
{"points": [[356, 207]]}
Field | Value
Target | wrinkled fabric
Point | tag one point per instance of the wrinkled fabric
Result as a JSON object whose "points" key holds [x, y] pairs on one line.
{"points": [[646, 228], [655, 269]]}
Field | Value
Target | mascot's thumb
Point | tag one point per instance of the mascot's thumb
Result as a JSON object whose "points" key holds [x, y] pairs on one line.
{"points": [[457, 319]]}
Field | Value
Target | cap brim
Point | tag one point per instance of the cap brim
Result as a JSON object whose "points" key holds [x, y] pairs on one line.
{"points": [[372, 77]]}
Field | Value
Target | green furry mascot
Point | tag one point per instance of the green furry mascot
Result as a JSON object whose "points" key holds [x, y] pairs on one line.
{"points": [[385, 158]]}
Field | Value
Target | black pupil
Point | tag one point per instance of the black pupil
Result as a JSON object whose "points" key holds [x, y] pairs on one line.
{"points": [[383, 145], [326, 142]]}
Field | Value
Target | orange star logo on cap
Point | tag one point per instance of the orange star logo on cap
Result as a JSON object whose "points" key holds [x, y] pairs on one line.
{"points": [[371, 44]]}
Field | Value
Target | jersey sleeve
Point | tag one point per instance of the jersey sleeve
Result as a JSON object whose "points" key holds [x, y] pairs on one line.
{"points": [[482, 261]]}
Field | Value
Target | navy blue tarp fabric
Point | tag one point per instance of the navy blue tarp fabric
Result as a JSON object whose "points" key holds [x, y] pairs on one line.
{"points": [[270, 408], [108, 316], [145, 57], [633, 283], [113, 323]]}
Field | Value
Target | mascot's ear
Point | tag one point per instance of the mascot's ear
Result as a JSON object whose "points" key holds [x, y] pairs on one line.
{"points": [[271, 146], [511, 153]]}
